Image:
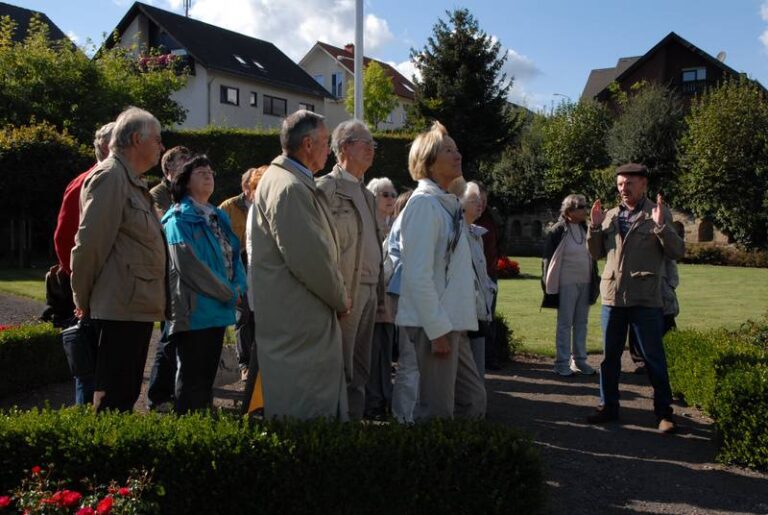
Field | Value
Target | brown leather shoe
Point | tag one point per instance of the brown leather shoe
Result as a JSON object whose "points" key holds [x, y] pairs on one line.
{"points": [[667, 425], [603, 415]]}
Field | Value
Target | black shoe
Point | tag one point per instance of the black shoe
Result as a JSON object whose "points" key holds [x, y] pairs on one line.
{"points": [[603, 415], [640, 370]]}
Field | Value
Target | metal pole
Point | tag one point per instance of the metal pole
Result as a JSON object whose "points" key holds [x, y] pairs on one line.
{"points": [[359, 52]]}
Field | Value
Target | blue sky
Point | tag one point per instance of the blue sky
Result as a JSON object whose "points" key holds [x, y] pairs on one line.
{"points": [[552, 44]]}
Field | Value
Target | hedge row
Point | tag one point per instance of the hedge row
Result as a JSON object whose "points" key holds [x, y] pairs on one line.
{"points": [[223, 464], [726, 373], [31, 356], [725, 256]]}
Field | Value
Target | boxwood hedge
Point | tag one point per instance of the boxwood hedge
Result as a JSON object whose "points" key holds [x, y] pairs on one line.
{"points": [[224, 464], [31, 356]]}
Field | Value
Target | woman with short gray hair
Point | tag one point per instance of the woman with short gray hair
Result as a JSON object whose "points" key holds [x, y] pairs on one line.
{"points": [[570, 284]]}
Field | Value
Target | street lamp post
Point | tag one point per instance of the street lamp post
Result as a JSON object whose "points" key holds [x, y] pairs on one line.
{"points": [[359, 59]]}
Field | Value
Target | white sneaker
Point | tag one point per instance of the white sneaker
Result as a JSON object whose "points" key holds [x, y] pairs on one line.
{"points": [[582, 368]]}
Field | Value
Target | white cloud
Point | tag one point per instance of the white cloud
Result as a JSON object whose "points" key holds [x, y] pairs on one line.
{"points": [[407, 68], [74, 37], [764, 15], [764, 11], [292, 25]]}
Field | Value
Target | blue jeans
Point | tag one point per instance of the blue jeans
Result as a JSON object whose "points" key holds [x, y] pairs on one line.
{"points": [[647, 326], [162, 378], [84, 386]]}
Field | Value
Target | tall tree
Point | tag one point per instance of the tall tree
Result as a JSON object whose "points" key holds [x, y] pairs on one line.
{"points": [[379, 97], [724, 160], [574, 148], [462, 85], [53, 81]]}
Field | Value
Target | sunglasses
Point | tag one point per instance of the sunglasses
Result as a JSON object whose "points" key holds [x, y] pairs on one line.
{"points": [[388, 194]]}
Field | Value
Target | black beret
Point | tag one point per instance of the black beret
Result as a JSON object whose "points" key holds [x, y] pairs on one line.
{"points": [[632, 169]]}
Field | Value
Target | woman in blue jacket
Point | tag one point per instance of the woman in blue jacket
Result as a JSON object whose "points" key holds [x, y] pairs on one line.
{"points": [[206, 280]]}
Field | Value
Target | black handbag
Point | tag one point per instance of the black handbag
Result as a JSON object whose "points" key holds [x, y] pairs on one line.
{"points": [[80, 345]]}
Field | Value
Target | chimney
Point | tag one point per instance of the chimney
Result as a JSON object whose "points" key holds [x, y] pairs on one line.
{"points": [[350, 48]]}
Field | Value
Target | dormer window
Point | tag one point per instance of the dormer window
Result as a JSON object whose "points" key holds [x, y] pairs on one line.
{"points": [[240, 60]]}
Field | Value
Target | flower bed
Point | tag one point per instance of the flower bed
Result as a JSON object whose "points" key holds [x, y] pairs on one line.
{"points": [[224, 464], [507, 268]]}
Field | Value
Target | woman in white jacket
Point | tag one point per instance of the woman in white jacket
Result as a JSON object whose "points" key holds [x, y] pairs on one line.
{"points": [[437, 298]]}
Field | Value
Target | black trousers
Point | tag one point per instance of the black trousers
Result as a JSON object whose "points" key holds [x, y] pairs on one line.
{"points": [[634, 352], [120, 363], [244, 332], [162, 379], [198, 353]]}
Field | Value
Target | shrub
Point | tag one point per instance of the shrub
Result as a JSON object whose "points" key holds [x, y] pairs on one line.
{"points": [[31, 356], [224, 464], [725, 256], [509, 343]]}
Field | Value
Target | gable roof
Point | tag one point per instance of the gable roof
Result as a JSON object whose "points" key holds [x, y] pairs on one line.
{"points": [[22, 17], [600, 78], [215, 48], [346, 58]]}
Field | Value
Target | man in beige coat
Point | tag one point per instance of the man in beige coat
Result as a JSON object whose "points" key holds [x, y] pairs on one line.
{"points": [[635, 238], [354, 215], [298, 291], [119, 259]]}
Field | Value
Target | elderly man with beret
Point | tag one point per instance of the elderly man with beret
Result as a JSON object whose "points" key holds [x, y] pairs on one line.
{"points": [[635, 237]]}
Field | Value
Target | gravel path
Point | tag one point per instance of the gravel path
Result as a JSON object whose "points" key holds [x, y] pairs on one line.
{"points": [[617, 468]]}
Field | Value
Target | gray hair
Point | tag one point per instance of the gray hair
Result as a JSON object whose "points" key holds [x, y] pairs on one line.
{"points": [[132, 120], [296, 127], [380, 184], [472, 188], [103, 135], [344, 132], [570, 202]]}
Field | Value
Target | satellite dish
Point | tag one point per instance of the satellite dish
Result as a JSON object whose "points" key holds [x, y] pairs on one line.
{"points": [[721, 56]]}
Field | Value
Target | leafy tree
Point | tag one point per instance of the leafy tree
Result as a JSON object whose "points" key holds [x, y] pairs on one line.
{"points": [[647, 131], [724, 160], [574, 147], [516, 178], [53, 81], [462, 85], [379, 97]]}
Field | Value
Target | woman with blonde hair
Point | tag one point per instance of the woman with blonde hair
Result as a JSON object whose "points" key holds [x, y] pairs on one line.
{"points": [[437, 297]]}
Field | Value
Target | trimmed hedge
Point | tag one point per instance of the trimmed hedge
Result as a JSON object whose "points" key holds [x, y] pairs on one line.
{"points": [[724, 256], [31, 356], [223, 464], [233, 151], [726, 374]]}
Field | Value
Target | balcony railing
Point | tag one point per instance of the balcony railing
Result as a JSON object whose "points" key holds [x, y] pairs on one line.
{"points": [[693, 87]]}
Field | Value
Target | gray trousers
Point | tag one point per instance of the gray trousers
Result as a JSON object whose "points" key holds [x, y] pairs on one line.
{"points": [[572, 317], [449, 384], [356, 336], [405, 391]]}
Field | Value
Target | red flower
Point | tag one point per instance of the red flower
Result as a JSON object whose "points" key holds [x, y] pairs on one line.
{"points": [[36, 470], [85, 511], [70, 498], [124, 491], [5, 501], [104, 506]]}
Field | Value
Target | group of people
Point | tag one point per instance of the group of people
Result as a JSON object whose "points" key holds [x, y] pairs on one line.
{"points": [[329, 281]]}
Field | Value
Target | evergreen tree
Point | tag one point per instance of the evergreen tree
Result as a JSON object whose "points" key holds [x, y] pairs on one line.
{"points": [[379, 97], [462, 85]]}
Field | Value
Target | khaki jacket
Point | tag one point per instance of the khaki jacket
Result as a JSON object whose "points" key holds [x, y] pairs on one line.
{"points": [[237, 210], [119, 258], [297, 291], [635, 264], [347, 214], [161, 196]]}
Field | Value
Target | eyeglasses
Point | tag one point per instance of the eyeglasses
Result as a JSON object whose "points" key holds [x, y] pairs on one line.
{"points": [[388, 194], [205, 173], [580, 206], [369, 142]]}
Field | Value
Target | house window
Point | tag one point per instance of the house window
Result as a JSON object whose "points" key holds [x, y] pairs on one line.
{"points": [[275, 106], [337, 89], [308, 107], [320, 79], [258, 64], [254, 99], [230, 95], [240, 60], [694, 74]]}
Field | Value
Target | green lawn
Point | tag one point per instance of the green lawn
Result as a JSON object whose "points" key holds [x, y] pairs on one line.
{"points": [[25, 282], [709, 296]]}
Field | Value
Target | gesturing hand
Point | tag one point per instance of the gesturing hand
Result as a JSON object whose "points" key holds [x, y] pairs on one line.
{"points": [[658, 212], [441, 346], [597, 215]]}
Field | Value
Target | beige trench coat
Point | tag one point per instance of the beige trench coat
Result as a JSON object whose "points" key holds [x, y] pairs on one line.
{"points": [[297, 291]]}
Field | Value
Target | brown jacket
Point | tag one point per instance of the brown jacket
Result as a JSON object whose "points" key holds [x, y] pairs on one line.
{"points": [[634, 264], [161, 195], [237, 211], [119, 258]]}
